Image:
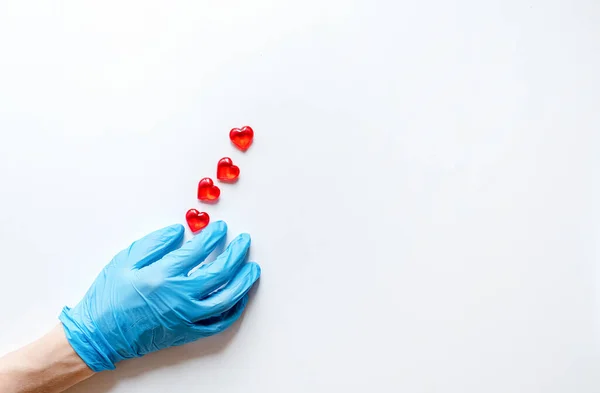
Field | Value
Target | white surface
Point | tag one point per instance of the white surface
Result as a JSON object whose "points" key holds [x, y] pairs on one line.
{"points": [[422, 192]]}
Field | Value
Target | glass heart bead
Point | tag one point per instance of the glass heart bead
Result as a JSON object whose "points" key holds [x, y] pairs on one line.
{"points": [[226, 171], [207, 191], [196, 220], [242, 137]]}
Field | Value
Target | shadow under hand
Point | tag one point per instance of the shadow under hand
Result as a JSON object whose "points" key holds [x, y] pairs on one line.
{"points": [[106, 381]]}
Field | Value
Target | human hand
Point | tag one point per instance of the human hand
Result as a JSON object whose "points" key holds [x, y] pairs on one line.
{"points": [[144, 300]]}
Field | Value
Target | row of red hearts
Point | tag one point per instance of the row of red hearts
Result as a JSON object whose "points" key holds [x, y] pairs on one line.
{"points": [[226, 172]]}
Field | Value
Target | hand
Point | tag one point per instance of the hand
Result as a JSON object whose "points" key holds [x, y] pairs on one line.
{"points": [[145, 299]]}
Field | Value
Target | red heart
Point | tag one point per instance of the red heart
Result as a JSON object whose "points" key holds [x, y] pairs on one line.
{"points": [[207, 191], [197, 220], [226, 171], [242, 138]]}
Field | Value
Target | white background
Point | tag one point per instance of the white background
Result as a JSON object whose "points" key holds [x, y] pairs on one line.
{"points": [[422, 191]]}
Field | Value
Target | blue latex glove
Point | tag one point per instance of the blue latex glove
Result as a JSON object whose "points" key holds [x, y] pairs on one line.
{"points": [[144, 300]]}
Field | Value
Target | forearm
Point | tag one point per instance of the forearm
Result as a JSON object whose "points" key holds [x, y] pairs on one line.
{"points": [[48, 365]]}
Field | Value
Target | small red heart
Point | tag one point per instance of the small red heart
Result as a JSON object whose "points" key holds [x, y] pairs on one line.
{"points": [[207, 191], [226, 171], [242, 138], [197, 220]]}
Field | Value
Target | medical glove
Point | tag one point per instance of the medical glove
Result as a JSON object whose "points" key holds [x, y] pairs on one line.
{"points": [[146, 299]]}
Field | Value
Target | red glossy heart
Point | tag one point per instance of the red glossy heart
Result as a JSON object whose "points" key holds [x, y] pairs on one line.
{"points": [[242, 137], [226, 171], [207, 191], [197, 220]]}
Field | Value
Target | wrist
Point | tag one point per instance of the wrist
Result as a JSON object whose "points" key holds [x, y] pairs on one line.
{"points": [[47, 365], [91, 346]]}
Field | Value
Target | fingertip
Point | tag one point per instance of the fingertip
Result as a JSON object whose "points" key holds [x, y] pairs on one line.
{"points": [[256, 269], [213, 233], [242, 244], [246, 237], [239, 245], [176, 229], [220, 226], [176, 232], [251, 271], [172, 231]]}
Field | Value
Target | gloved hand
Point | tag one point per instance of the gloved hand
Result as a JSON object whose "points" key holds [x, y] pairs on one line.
{"points": [[144, 300]]}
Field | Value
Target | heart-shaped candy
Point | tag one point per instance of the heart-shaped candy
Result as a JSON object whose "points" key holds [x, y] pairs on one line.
{"points": [[196, 220], [226, 171], [242, 137], [207, 191]]}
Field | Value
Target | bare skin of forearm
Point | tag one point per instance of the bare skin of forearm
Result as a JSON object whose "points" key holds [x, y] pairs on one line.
{"points": [[48, 365]]}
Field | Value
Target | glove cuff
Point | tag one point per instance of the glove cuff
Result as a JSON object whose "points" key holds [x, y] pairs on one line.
{"points": [[96, 353]]}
